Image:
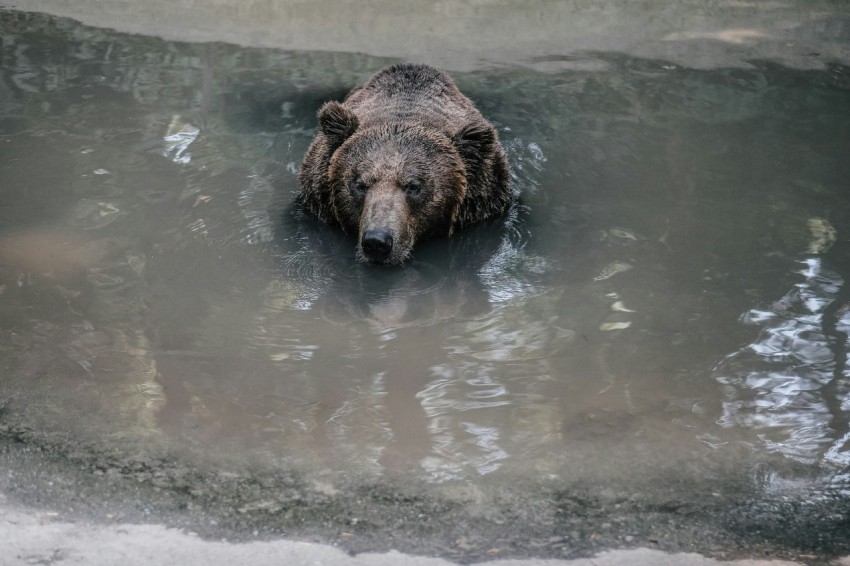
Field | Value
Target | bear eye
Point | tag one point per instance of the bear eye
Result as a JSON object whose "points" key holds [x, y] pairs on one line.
{"points": [[413, 187], [359, 187]]}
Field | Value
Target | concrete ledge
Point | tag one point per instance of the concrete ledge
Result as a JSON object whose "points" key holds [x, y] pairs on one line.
{"points": [[470, 34], [38, 537]]}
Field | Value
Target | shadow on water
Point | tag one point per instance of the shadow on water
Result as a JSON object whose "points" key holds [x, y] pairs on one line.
{"points": [[660, 321]]}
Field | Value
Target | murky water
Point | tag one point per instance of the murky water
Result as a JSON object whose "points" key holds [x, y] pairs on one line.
{"points": [[666, 306]]}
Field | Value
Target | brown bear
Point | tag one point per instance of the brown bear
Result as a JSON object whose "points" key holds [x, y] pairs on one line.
{"points": [[404, 157]]}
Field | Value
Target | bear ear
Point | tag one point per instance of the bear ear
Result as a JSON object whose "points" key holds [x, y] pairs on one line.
{"points": [[337, 122], [474, 141]]}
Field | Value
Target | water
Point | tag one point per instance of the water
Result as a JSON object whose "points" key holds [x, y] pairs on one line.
{"points": [[664, 313]]}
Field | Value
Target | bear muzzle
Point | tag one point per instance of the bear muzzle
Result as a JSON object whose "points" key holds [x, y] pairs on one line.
{"points": [[385, 226]]}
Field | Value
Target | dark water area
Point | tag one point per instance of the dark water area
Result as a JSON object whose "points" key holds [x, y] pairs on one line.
{"points": [[659, 328]]}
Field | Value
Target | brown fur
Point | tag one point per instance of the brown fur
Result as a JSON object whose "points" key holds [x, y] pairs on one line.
{"points": [[405, 156]]}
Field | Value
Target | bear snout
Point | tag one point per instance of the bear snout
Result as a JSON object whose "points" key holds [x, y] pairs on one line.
{"points": [[377, 245]]}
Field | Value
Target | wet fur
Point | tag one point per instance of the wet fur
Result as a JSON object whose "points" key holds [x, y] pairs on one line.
{"points": [[428, 160]]}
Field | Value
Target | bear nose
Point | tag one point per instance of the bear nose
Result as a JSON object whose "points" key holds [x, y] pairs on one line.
{"points": [[377, 244]]}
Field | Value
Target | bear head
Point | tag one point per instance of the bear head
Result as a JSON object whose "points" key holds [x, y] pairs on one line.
{"points": [[395, 183]]}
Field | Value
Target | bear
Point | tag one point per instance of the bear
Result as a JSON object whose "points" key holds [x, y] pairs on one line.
{"points": [[404, 157]]}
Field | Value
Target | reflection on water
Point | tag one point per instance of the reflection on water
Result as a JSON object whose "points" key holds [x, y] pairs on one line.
{"points": [[157, 290], [791, 385]]}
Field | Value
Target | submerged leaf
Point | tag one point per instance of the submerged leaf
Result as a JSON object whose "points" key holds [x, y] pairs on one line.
{"points": [[824, 235], [613, 269], [608, 326], [620, 307]]}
